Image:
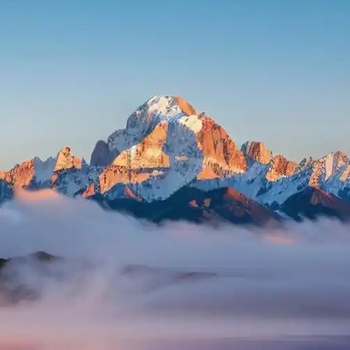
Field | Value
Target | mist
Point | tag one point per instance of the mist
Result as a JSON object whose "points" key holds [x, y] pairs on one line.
{"points": [[122, 283]]}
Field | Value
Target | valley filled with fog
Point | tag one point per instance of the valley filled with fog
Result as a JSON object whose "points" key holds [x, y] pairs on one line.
{"points": [[116, 282]]}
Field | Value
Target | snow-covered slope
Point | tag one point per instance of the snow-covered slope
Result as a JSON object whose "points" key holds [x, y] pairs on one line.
{"points": [[167, 146]]}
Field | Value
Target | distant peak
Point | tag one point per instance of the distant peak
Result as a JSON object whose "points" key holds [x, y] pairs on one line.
{"points": [[65, 150], [336, 154], [337, 158], [257, 151], [305, 163], [341, 156], [281, 166], [330, 163], [65, 160]]}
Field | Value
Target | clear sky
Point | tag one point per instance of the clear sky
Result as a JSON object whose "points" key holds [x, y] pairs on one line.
{"points": [[72, 71]]}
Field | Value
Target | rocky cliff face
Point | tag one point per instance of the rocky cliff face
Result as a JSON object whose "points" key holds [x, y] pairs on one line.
{"points": [[149, 153], [280, 166], [257, 152], [324, 168], [65, 160], [221, 156], [37, 172], [21, 175]]}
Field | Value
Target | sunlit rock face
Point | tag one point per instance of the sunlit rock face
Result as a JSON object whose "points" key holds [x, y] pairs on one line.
{"points": [[65, 160], [21, 175], [257, 151]]}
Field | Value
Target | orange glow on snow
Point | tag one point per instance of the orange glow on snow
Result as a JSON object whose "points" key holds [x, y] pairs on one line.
{"points": [[40, 195]]}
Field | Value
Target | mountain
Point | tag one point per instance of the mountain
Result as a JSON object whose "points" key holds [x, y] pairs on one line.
{"points": [[191, 204], [173, 162], [312, 202]]}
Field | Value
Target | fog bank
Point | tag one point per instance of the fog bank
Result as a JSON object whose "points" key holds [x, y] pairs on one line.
{"points": [[127, 282]]}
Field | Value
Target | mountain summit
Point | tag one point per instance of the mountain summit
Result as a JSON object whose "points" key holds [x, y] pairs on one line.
{"points": [[171, 161], [167, 145]]}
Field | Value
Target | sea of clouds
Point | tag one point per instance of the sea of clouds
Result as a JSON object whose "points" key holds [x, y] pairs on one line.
{"points": [[121, 282]]}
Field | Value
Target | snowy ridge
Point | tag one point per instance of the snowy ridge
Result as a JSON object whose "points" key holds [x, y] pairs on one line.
{"points": [[167, 146]]}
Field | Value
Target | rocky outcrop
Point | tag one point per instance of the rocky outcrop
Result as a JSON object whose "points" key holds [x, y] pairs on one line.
{"points": [[221, 156], [185, 106], [139, 162], [280, 167], [90, 191], [148, 153], [345, 174], [305, 163], [325, 167], [34, 172], [66, 160], [257, 152], [114, 174], [21, 175], [5, 176]]}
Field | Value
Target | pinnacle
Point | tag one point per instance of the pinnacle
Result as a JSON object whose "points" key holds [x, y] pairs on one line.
{"points": [[257, 151], [65, 160]]}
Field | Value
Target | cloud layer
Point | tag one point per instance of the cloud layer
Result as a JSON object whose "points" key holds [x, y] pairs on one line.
{"points": [[124, 281]]}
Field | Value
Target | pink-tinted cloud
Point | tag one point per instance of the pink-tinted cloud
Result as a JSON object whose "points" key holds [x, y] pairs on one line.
{"points": [[257, 282]]}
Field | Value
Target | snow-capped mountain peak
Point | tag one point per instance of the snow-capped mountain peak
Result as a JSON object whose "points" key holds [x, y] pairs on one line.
{"points": [[140, 124], [168, 143], [324, 168], [166, 147]]}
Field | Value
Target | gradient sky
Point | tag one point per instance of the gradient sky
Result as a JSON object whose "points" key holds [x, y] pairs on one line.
{"points": [[72, 71]]}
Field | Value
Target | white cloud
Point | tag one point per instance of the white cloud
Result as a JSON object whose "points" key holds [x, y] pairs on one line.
{"points": [[268, 282]]}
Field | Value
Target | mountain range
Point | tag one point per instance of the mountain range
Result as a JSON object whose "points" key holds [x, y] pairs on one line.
{"points": [[172, 162]]}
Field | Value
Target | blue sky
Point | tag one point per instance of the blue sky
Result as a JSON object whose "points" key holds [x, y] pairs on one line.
{"points": [[71, 72]]}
